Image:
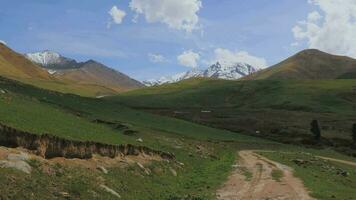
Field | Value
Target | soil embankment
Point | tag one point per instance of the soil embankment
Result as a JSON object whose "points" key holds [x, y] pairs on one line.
{"points": [[49, 146]]}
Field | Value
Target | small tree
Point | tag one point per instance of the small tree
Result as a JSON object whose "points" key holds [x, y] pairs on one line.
{"points": [[315, 129], [354, 133]]}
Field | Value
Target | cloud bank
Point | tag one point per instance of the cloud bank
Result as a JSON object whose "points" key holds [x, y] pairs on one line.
{"points": [[333, 30], [176, 14], [228, 58], [189, 59]]}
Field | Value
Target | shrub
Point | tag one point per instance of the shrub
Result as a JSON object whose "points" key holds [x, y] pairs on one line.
{"points": [[315, 129]]}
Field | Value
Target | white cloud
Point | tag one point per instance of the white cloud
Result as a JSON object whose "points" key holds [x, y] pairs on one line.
{"points": [[228, 58], [189, 59], [332, 31], [156, 58], [2, 42], [117, 15], [177, 14]]}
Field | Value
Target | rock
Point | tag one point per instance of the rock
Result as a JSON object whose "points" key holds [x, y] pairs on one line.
{"points": [[143, 168], [17, 157], [64, 194], [300, 161], [19, 165], [111, 191], [2, 91], [103, 169], [174, 173], [139, 140]]}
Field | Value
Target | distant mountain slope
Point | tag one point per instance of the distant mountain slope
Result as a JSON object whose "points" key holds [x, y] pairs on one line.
{"points": [[308, 64], [16, 66], [89, 72], [214, 71], [92, 72]]}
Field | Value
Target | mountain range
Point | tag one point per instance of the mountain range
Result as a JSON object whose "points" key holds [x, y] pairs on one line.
{"points": [[88, 72], [218, 71]]}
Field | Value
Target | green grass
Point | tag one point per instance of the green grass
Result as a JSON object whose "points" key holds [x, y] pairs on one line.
{"points": [[308, 94], [40, 111], [279, 109]]}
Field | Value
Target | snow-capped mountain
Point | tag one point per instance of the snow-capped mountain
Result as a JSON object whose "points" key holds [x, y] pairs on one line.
{"points": [[227, 72], [51, 60], [88, 72]]}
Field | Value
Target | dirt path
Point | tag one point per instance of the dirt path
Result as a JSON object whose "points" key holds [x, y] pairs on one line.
{"points": [[339, 161], [252, 179]]}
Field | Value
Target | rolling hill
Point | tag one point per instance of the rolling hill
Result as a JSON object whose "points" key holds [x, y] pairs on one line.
{"points": [[308, 64], [276, 109]]}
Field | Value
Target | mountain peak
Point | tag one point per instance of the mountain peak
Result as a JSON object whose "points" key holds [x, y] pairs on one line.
{"points": [[309, 64], [50, 59], [217, 70]]}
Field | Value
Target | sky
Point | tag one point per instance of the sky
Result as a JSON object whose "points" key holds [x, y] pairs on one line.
{"points": [[147, 39]]}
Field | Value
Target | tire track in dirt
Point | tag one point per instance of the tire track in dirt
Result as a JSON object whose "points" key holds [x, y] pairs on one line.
{"points": [[262, 185]]}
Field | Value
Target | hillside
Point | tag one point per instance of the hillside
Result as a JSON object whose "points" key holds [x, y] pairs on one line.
{"points": [[277, 109], [308, 64], [90, 72], [95, 79], [16, 66]]}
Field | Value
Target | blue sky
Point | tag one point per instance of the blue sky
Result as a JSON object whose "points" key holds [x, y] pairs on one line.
{"points": [[79, 29]]}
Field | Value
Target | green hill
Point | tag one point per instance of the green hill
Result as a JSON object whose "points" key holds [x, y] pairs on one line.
{"points": [[308, 64], [277, 109]]}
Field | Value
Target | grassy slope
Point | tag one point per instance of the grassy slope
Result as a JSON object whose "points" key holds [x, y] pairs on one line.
{"points": [[316, 96], [41, 111], [278, 109]]}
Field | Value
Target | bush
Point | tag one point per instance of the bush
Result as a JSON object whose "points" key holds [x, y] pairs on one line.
{"points": [[354, 133], [315, 129]]}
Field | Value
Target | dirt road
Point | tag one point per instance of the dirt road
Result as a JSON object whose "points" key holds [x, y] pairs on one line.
{"points": [[257, 178]]}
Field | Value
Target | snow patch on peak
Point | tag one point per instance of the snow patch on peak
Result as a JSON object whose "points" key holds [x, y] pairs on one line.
{"points": [[227, 72], [46, 58]]}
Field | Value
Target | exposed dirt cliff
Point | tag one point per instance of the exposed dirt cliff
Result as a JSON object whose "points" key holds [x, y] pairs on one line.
{"points": [[49, 146]]}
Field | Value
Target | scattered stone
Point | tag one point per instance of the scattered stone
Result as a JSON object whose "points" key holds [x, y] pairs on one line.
{"points": [[174, 172], [342, 173], [258, 132], [180, 163], [102, 169], [19, 165], [111, 191], [139, 140]]}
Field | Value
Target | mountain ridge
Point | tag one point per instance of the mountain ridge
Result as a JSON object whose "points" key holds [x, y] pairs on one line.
{"points": [[88, 72], [309, 64], [216, 70]]}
